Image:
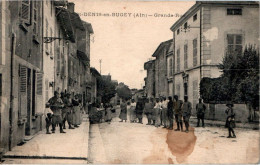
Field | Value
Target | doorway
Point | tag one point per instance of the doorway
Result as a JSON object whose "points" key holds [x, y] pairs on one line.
{"points": [[29, 91]]}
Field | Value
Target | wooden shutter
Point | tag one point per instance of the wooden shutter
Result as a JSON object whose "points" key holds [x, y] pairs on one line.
{"points": [[22, 113], [25, 11], [39, 83], [35, 17]]}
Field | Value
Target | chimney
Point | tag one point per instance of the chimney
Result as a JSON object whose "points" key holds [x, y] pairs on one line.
{"points": [[70, 7]]}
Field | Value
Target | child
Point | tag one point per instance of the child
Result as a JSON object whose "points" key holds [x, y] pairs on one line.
{"points": [[48, 120], [231, 124]]}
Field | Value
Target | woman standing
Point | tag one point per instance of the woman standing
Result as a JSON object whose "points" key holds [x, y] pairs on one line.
{"points": [[132, 111], [230, 122], [76, 111], [108, 113], [123, 113], [156, 113]]}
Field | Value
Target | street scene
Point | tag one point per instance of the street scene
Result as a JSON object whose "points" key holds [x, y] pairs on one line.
{"points": [[129, 82]]}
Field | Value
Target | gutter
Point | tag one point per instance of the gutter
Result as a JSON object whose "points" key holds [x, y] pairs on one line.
{"points": [[13, 43], [200, 45]]}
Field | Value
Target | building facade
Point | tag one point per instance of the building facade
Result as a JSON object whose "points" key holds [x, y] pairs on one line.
{"points": [[160, 67], [149, 66], [206, 32], [22, 68]]}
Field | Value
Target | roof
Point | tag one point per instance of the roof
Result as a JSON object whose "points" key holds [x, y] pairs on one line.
{"points": [[148, 64], [88, 26], [198, 4], [68, 22], [165, 44], [94, 72]]}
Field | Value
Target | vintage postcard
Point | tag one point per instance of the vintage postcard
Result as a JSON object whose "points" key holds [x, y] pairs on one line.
{"points": [[129, 82]]}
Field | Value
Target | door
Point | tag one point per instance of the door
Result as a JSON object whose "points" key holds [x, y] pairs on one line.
{"points": [[29, 91]]}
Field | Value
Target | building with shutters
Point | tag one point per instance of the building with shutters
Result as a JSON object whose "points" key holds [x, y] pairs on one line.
{"points": [[21, 69], [160, 69], [150, 79], [203, 35]]}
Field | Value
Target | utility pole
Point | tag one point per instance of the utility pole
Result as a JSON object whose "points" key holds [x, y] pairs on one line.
{"points": [[100, 61]]}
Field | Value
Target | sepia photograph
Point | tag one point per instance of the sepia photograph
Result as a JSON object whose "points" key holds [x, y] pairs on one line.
{"points": [[129, 82]]}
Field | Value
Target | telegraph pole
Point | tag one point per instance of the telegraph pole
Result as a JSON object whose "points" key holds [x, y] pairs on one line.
{"points": [[100, 61]]}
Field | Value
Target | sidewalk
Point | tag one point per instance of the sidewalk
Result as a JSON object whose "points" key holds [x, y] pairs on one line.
{"points": [[217, 123], [72, 145]]}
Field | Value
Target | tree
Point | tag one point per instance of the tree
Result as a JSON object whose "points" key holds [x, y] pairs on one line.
{"points": [[239, 82], [124, 92], [106, 89]]}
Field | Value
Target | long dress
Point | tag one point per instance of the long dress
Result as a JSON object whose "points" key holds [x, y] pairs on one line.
{"points": [[123, 113], [132, 112], [76, 113], [156, 114], [108, 116]]}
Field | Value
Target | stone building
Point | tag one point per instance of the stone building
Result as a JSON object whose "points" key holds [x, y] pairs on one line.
{"points": [[21, 70], [93, 94], [160, 67], [204, 34], [150, 79]]}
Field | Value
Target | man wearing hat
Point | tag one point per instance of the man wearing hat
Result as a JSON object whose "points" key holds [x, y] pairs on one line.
{"points": [[186, 112], [55, 103], [170, 112], [200, 109], [178, 113]]}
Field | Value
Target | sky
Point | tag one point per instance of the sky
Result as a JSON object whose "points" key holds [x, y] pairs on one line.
{"points": [[125, 43]]}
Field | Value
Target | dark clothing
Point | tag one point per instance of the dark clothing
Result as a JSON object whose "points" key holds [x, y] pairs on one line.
{"points": [[200, 110], [148, 109], [170, 113], [139, 111], [186, 112], [48, 120]]}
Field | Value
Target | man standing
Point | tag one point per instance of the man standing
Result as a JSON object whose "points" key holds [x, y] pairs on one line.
{"points": [[139, 110], [164, 112], [186, 112], [178, 112], [148, 107], [200, 109], [55, 103], [170, 113], [67, 111]]}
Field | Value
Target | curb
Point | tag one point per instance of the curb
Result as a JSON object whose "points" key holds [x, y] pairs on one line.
{"points": [[43, 157]]}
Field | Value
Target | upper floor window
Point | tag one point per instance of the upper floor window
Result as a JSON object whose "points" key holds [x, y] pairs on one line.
{"points": [[25, 11], [178, 60], [35, 17], [195, 43], [170, 67], [234, 42], [185, 56], [186, 25], [195, 17], [234, 11], [178, 31]]}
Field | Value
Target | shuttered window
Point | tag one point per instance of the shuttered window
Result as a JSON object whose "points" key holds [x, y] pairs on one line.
{"points": [[35, 17], [22, 110], [195, 52], [39, 83], [195, 92], [234, 42], [23, 79], [178, 60], [185, 56], [25, 11]]}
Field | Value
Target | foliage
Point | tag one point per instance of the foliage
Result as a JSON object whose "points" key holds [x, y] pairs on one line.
{"points": [[239, 82], [124, 92], [106, 89]]}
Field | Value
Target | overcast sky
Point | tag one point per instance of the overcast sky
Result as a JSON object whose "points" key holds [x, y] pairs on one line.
{"points": [[125, 43]]}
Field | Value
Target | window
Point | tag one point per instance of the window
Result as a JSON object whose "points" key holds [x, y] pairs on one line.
{"points": [[234, 42], [185, 56], [195, 93], [46, 33], [195, 17], [234, 11], [35, 16], [178, 60], [186, 25], [25, 11], [178, 31], [195, 52], [170, 67]]}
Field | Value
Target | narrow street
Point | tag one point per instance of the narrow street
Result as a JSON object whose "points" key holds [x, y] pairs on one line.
{"points": [[134, 143]]}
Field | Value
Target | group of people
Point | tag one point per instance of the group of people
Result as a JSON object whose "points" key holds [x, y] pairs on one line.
{"points": [[161, 112], [64, 108]]}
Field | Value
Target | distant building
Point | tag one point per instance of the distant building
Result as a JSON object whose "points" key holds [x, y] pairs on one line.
{"points": [[160, 67], [204, 34], [149, 66], [93, 94]]}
